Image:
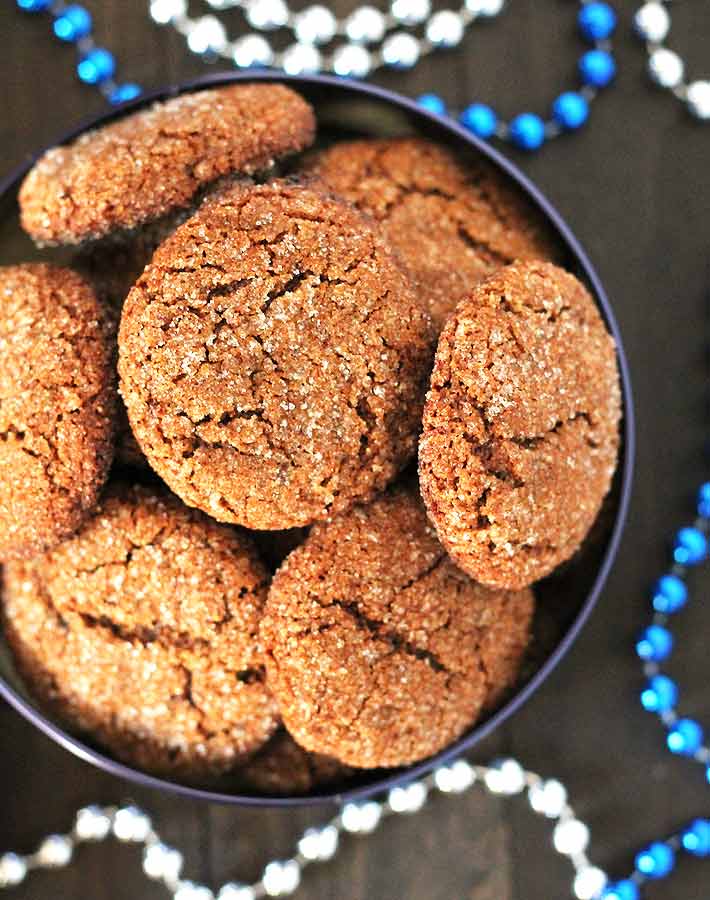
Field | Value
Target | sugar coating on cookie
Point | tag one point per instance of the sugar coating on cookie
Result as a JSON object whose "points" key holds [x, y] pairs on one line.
{"points": [[142, 631], [379, 650], [273, 358], [521, 425], [452, 220], [57, 405], [156, 160]]}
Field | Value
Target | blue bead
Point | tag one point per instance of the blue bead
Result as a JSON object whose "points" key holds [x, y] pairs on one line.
{"points": [[656, 861], [670, 594], [527, 131], [660, 694], [596, 21], [621, 890], [72, 24], [707, 774], [685, 738], [691, 547], [655, 643], [704, 500], [33, 5], [125, 92], [570, 110], [597, 68], [96, 66], [696, 838], [432, 103], [480, 119]]}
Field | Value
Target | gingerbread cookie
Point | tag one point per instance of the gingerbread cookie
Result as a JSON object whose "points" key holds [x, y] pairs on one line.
{"points": [[57, 405], [156, 160], [379, 650], [142, 631], [273, 358], [452, 220], [521, 425]]}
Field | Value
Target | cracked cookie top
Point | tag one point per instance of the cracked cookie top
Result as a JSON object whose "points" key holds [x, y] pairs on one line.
{"points": [[521, 425], [142, 630], [378, 649], [453, 221], [273, 358], [156, 160], [57, 405]]}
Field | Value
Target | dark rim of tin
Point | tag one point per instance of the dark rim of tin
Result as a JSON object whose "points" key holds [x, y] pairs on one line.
{"points": [[369, 91]]}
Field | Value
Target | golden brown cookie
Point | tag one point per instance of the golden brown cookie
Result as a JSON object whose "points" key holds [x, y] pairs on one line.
{"points": [[521, 424], [273, 358], [143, 631], [379, 650], [156, 160], [452, 220], [57, 405]]}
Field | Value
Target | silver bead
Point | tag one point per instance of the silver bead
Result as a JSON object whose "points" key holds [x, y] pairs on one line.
{"points": [[456, 778], [207, 35], [162, 862], [570, 837], [13, 869], [281, 878], [666, 68], [400, 50], [698, 99], [131, 824], [366, 25], [506, 777], [299, 59], [92, 824], [589, 883], [233, 891], [548, 798], [410, 12], [407, 799], [267, 15], [361, 818], [445, 28], [252, 50], [319, 843], [315, 25], [165, 11], [55, 851], [652, 22], [352, 61], [486, 8], [188, 890]]}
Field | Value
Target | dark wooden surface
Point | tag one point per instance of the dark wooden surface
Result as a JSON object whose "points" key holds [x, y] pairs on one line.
{"points": [[636, 188]]}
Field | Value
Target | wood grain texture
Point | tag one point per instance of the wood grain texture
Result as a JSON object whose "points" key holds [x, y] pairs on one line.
{"points": [[636, 188]]}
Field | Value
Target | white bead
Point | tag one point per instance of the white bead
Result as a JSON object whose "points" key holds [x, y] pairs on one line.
{"points": [[92, 824], [281, 878], [233, 891], [361, 818], [455, 778], [54, 851], [301, 58], [589, 883], [252, 50], [366, 25], [487, 8], [208, 35], [548, 798], [445, 28], [698, 99], [352, 61], [131, 824], [267, 15], [319, 843], [165, 11], [162, 862], [315, 25], [188, 890], [652, 22], [400, 50], [570, 837], [666, 68], [13, 869], [505, 777], [408, 799], [410, 12]]}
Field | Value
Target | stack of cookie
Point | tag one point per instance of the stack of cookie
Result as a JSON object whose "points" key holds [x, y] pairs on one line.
{"points": [[217, 559]]}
